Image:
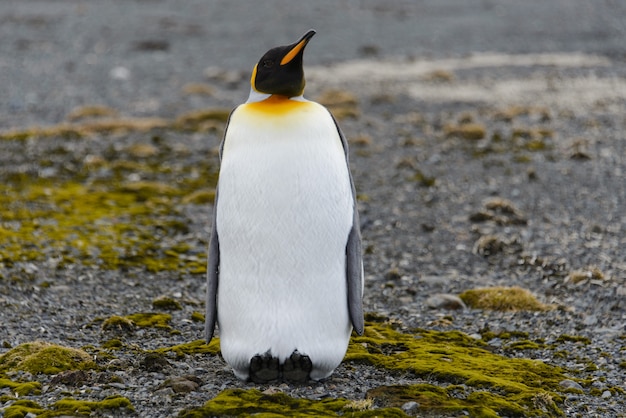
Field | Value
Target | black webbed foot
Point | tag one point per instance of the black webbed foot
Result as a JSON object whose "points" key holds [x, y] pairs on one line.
{"points": [[297, 368], [264, 368]]}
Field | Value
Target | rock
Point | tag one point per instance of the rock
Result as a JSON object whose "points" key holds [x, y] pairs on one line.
{"points": [[570, 384], [445, 301], [70, 378], [606, 394], [183, 384], [410, 407], [154, 362]]}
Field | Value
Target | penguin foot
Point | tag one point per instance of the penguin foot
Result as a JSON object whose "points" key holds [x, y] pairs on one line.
{"points": [[297, 368], [264, 368]]}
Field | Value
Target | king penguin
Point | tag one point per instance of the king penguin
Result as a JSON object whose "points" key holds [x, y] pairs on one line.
{"points": [[285, 272]]}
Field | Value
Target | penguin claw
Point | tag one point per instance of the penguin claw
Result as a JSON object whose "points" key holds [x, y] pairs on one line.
{"points": [[297, 368], [264, 368]]}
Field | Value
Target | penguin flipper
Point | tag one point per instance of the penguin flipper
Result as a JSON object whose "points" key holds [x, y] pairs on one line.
{"points": [[213, 267], [354, 275], [213, 261], [354, 256]]}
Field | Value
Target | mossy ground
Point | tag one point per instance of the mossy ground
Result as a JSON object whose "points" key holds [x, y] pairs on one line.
{"points": [[112, 209], [248, 403], [491, 384], [41, 357], [68, 407], [464, 378], [44, 358], [502, 299]]}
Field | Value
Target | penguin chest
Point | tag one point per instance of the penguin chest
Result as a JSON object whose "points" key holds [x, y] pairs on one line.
{"points": [[285, 207]]}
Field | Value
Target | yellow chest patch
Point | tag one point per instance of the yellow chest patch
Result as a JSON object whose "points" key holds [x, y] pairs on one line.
{"points": [[276, 106]]}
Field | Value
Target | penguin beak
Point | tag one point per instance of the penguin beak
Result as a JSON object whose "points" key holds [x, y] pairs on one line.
{"points": [[297, 48]]}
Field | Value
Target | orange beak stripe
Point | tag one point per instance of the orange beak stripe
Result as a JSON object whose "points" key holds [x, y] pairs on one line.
{"points": [[296, 49], [253, 78]]}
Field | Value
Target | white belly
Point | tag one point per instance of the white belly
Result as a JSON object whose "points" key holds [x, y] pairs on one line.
{"points": [[283, 217]]}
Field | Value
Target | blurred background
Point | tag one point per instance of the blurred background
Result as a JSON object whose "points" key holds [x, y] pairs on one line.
{"points": [[137, 55]]}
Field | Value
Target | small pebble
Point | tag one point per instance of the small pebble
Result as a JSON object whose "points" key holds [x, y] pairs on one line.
{"points": [[445, 301]]}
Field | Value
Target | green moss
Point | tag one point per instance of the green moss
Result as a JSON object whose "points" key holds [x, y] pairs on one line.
{"points": [[21, 388], [113, 343], [455, 358], [75, 407], [119, 324], [470, 131], [248, 403], [523, 345], [166, 303], [151, 320], [79, 216], [41, 357], [202, 120], [200, 197], [93, 111], [194, 347], [573, 339], [423, 179], [128, 323], [197, 317], [502, 299], [458, 400], [21, 408], [93, 225]]}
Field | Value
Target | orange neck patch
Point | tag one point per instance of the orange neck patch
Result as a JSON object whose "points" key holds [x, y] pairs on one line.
{"points": [[276, 105]]}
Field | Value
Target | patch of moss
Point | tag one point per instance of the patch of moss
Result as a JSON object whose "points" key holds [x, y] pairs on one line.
{"points": [[142, 150], [439, 76], [41, 357], [89, 212], [21, 408], [248, 403], [457, 399], [202, 120], [512, 112], [113, 343], [573, 339], [92, 111], [166, 303], [523, 345], [21, 388], [502, 299], [510, 384], [62, 220], [194, 347], [75, 407], [151, 320], [470, 131], [119, 324], [423, 179], [197, 316], [341, 103], [200, 197]]}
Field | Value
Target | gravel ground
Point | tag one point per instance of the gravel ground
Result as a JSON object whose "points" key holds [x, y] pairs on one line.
{"points": [[549, 94]]}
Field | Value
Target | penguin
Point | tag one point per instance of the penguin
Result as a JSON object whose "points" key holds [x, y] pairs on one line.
{"points": [[285, 270]]}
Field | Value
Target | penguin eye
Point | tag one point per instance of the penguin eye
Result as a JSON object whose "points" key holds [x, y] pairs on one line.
{"points": [[268, 63]]}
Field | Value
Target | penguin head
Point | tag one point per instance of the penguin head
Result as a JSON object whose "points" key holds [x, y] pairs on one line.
{"points": [[280, 70]]}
